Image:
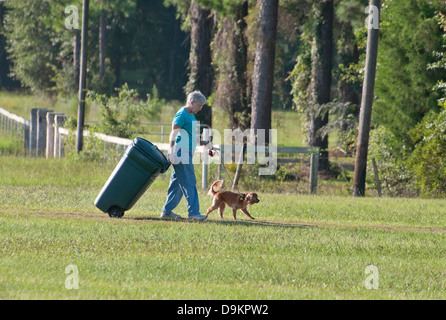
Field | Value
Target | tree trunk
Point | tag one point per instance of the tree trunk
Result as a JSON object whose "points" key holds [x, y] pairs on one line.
{"points": [[172, 66], [102, 26], [4, 63], [116, 55], [348, 54], [241, 64], [262, 91], [3, 54], [368, 88], [321, 78], [230, 48], [349, 91], [200, 58]]}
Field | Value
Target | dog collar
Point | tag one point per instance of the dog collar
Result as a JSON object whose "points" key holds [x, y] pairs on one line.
{"points": [[242, 196]]}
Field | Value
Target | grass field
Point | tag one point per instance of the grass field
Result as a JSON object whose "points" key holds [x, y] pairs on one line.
{"points": [[299, 247], [287, 122]]}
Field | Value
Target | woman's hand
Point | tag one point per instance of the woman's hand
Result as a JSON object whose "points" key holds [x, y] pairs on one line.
{"points": [[171, 155]]}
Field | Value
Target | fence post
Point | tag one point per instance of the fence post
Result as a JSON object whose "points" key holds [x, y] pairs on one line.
{"points": [[41, 131], [33, 132], [314, 165], [378, 183], [238, 171], [221, 155], [59, 121], [50, 134], [162, 133], [204, 176], [26, 126]]}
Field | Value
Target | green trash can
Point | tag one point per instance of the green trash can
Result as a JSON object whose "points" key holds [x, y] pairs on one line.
{"points": [[141, 164]]}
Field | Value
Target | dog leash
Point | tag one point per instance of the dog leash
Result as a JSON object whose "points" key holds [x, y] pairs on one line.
{"points": [[211, 153]]}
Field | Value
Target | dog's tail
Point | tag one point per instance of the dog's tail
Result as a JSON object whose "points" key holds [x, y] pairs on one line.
{"points": [[215, 187]]}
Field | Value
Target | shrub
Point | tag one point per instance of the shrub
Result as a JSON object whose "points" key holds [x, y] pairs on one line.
{"points": [[121, 114], [428, 161], [121, 117], [391, 158], [94, 150]]}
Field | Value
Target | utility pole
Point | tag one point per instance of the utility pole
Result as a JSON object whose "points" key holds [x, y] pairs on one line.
{"points": [[365, 114], [82, 78]]}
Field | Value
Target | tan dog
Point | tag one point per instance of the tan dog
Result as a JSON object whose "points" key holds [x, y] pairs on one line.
{"points": [[234, 200]]}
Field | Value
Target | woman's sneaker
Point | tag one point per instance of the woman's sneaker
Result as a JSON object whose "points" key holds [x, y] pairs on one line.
{"points": [[170, 216], [197, 217]]}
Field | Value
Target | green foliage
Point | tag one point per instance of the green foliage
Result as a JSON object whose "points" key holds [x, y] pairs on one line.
{"points": [[230, 50], [428, 160], [143, 46], [440, 56], [416, 164], [351, 11], [300, 79], [11, 145], [225, 7], [391, 158], [348, 18], [153, 105], [409, 34], [221, 7], [151, 50], [343, 122], [354, 71], [120, 117], [182, 9], [121, 114], [30, 43], [94, 150]]}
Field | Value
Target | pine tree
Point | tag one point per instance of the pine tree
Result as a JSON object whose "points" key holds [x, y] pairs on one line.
{"points": [[262, 82], [30, 44]]}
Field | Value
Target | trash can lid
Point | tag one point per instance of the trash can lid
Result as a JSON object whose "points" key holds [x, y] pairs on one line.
{"points": [[151, 151]]}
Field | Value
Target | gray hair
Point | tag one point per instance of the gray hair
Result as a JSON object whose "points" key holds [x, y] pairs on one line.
{"points": [[196, 96]]}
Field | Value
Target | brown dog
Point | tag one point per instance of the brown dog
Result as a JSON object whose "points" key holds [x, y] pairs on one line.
{"points": [[234, 200]]}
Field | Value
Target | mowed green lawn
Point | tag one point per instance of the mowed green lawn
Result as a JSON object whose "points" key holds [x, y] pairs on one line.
{"points": [[299, 247]]}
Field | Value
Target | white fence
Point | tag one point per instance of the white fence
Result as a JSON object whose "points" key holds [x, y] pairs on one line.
{"points": [[163, 132], [43, 136], [13, 124]]}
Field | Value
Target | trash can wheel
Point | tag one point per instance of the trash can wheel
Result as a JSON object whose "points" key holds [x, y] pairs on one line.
{"points": [[115, 212]]}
